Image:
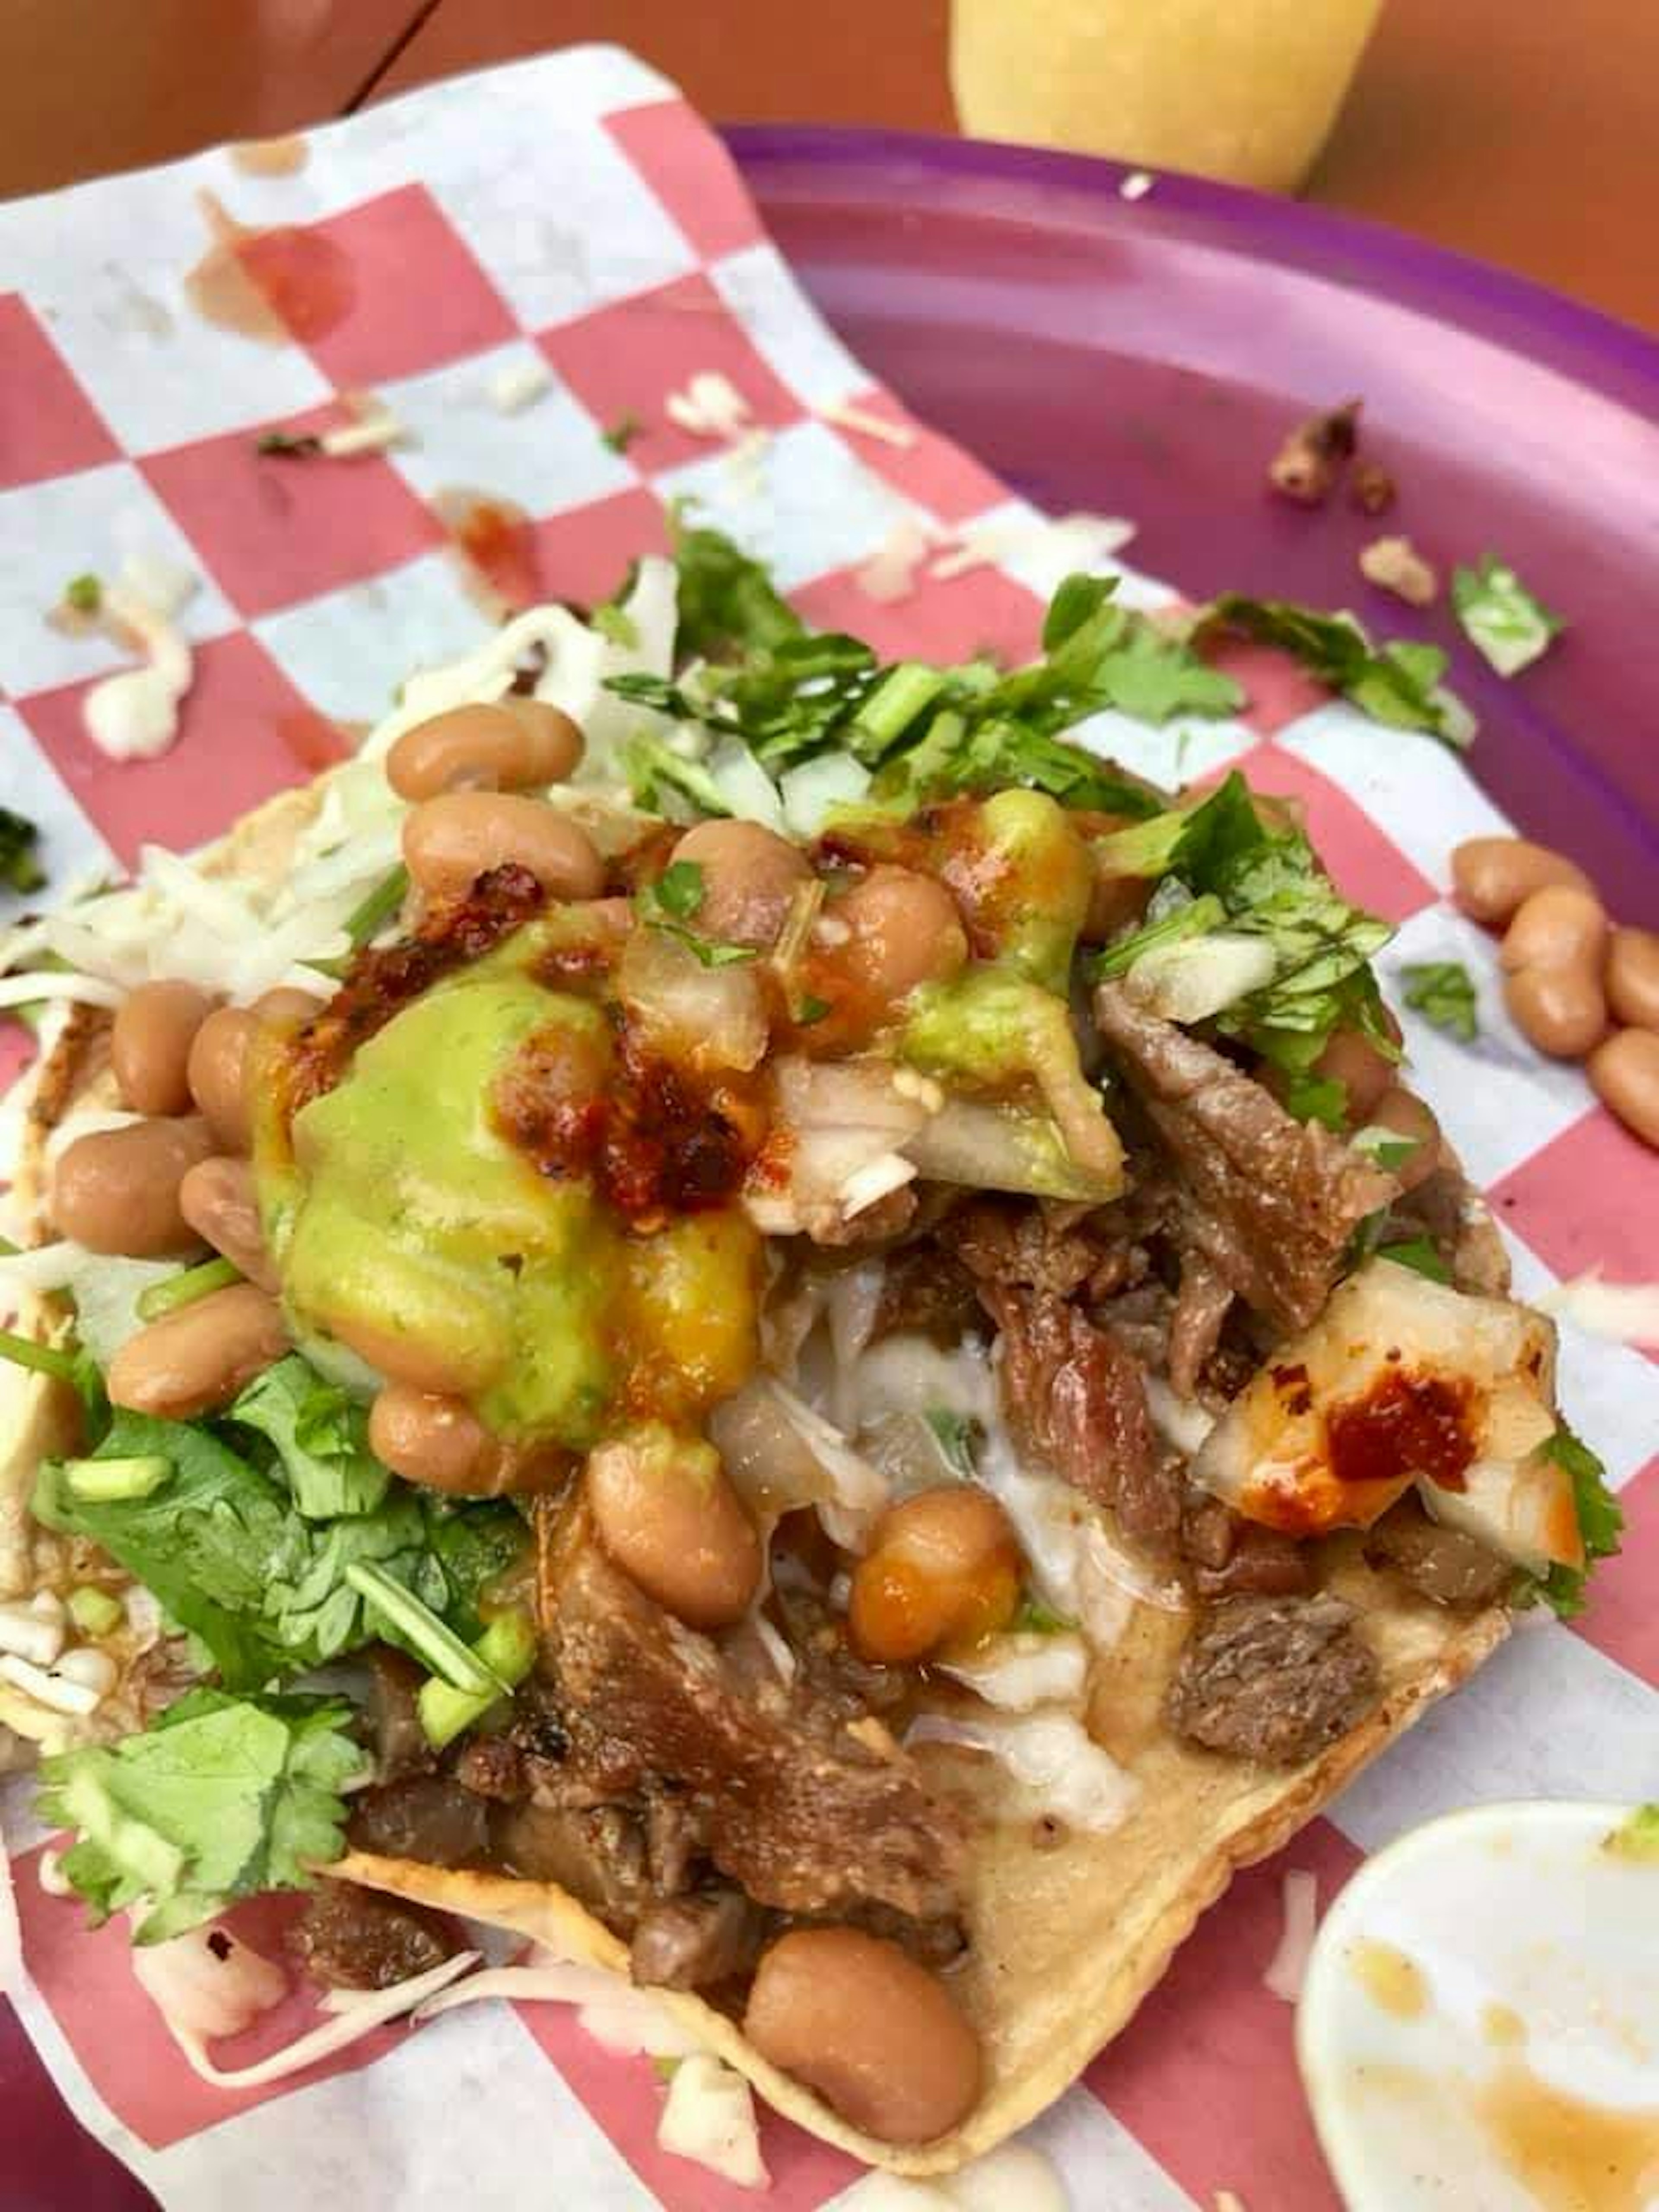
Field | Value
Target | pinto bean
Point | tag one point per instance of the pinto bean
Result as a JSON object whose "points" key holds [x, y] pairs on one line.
{"points": [[1561, 1011], [516, 744], [1493, 876], [1633, 978], [1559, 926], [431, 1439], [904, 931], [219, 1200], [1624, 1073], [117, 1190], [668, 1515], [1404, 1115], [218, 1064], [876, 2036], [750, 876], [149, 1046], [196, 1359], [943, 1567], [451, 841]]}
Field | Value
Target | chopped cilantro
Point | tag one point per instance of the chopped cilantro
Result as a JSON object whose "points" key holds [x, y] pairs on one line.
{"points": [[620, 434], [1502, 620], [668, 904], [219, 1798], [1398, 684], [679, 890], [287, 446], [20, 869], [727, 602], [1601, 1523], [1442, 991], [1386, 1146], [84, 592], [1418, 1254], [956, 1435], [1036, 1618], [615, 623], [810, 1010], [1636, 1838]]}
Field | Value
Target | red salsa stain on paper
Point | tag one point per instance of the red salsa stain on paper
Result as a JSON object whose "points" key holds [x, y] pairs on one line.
{"points": [[494, 542], [276, 284]]}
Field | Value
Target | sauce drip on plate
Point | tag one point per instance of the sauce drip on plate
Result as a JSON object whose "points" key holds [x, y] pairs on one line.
{"points": [[1395, 1983], [272, 285]]}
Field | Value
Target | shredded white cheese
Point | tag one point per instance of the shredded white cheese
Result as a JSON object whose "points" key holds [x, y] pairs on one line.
{"points": [[708, 2115], [1626, 1313], [1289, 1963], [846, 416]]}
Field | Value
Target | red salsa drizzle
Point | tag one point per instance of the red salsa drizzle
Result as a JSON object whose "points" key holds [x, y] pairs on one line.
{"points": [[1415, 1423]]}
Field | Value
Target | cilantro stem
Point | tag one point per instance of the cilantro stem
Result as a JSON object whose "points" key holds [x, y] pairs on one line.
{"points": [[43, 1358], [113, 1481], [904, 692], [186, 1287], [434, 1640], [365, 920], [508, 1649]]}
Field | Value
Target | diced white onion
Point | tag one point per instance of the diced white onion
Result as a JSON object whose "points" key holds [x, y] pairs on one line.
{"points": [[34, 984], [207, 1982], [1051, 1755], [1289, 1963], [1019, 1672], [1626, 1313], [708, 2115], [514, 388], [812, 790], [709, 1018], [335, 2032], [28, 1635], [745, 786], [1196, 977], [53, 1690], [1015, 2177], [1181, 1422], [372, 434], [876, 1179], [92, 1669]]}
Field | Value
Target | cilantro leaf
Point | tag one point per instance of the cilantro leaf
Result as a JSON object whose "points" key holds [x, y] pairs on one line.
{"points": [[1418, 1254], [19, 870], [1442, 991], [956, 1435], [1398, 684], [667, 905], [620, 434], [219, 1798], [1600, 1522], [679, 890], [727, 602], [1035, 1617], [1502, 620], [321, 1437]]}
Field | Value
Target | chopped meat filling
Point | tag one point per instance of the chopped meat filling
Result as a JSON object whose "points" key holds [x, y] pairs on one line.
{"points": [[1271, 1201], [1275, 1679], [1200, 1309], [792, 1805], [357, 1939], [426, 1817], [693, 1940], [1439, 1563]]}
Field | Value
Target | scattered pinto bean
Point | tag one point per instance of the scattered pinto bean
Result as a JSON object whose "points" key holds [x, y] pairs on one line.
{"points": [[943, 1567], [514, 745], [1404, 1113], [438, 1441], [219, 1201], [1624, 1075], [1633, 978], [1314, 455], [1558, 927], [749, 878], [1370, 488], [451, 841], [905, 931], [668, 1515], [117, 1191], [1560, 1010], [218, 1064], [197, 1359], [876, 2035], [1493, 876], [149, 1046]]}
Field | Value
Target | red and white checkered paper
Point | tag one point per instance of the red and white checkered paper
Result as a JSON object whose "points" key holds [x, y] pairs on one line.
{"points": [[574, 210]]}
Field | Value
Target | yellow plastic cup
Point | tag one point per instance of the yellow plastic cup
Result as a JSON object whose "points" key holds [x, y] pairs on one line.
{"points": [[1246, 90]]}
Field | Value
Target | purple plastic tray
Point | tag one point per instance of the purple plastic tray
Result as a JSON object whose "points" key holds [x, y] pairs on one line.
{"points": [[1144, 358]]}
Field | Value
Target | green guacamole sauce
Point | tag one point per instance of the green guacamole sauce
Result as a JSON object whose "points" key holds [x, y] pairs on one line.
{"points": [[407, 1219]]}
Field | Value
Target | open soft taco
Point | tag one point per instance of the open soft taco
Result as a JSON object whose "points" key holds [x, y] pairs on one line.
{"points": [[832, 1318]]}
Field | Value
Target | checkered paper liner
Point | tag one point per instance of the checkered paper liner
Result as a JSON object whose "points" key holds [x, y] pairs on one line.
{"points": [[573, 212]]}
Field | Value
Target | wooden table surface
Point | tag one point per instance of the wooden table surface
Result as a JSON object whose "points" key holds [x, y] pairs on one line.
{"points": [[1525, 131]]}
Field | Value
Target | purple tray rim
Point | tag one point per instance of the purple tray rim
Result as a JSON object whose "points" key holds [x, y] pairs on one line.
{"points": [[1375, 256]]}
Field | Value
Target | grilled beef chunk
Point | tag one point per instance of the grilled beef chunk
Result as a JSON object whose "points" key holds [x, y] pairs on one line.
{"points": [[1236, 1558], [492, 1766], [394, 1719], [1441, 1564], [1075, 1399], [1273, 1201], [928, 1290], [425, 1816], [1275, 1679], [795, 1806], [1201, 1308], [693, 1940], [356, 1939], [597, 1852], [999, 1240]]}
